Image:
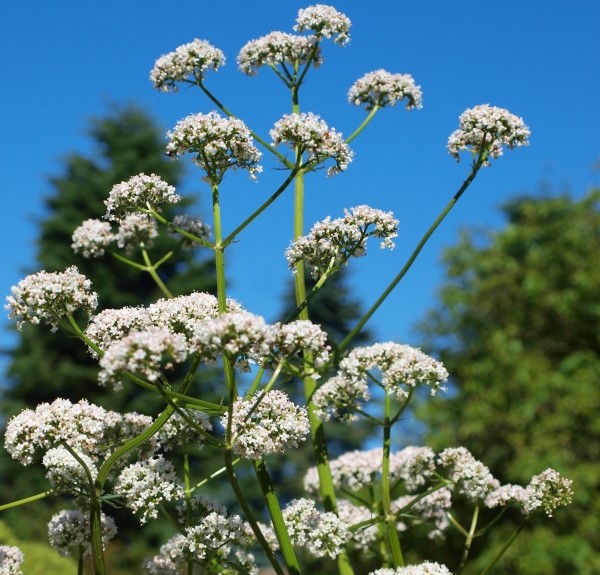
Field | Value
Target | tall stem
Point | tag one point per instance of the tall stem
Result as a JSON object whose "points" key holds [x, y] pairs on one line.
{"points": [[219, 254]]}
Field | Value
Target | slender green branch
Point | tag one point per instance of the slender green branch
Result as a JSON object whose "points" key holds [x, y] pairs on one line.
{"points": [[27, 500], [154, 275], [363, 124], [504, 549], [475, 168], [468, 540]]}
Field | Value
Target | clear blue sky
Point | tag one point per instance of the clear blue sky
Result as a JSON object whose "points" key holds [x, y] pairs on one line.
{"points": [[65, 61]]}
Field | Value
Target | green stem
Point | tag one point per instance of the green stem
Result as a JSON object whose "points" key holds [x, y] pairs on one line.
{"points": [[468, 540], [504, 549], [152, 271], [219, 254], [363, 125], [285, 544], [348, 339], [386, 499], [26, 500]]}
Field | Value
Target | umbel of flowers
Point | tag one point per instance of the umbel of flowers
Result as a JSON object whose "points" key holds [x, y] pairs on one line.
{"points": [[363, 500]]}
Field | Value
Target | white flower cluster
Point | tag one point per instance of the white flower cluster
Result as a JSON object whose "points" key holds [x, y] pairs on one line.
{"points": [[426, 568], [219, 144], [432, 509], [548, 490], [323, 534], [401, 366], [87, 428], [277, 48], [268, 424], [325, 21], [192, 225], [485, 129], [330, 243], [351, 515], [49, 296], [217, 540], [309, 133], [70, 529], [10, 560], [92, 238], [141, 191], [472, 478], [189, 60], [145, 484], [65, 472], [142, 353], [110, 325], [381, 88], [134, 229]]}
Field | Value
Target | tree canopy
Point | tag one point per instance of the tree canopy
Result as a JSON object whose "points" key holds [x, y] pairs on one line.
{"points": [[518, 328]]}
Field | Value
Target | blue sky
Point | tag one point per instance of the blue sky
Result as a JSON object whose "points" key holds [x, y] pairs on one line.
{"points": [[64, 62]]}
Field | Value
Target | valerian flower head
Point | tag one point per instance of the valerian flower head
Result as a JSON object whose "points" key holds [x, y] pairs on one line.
{"points": [[187, 63], [192, 225], [66, 473], [326, 22], [431, 509], [11, 558], [92, 238], [382, 88], [323, 534], [139, 192], [69, 531], [330, 243], [269, 424], [471, 477], [49, 296], [144, 485], [142, 353], [339, 398], [172, 558], [135, 229], [426, 568], [311, 135], [218, 143], [485, 129], [548, 490], [278, 48]]}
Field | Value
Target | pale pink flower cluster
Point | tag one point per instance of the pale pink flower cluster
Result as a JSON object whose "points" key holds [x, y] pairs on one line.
{"points": [[219, 144], [426, 568], [139, 192], [187, 63], [92, 238], [325, 21], [171, 560], [471, 477], [135, 229], [49, 296], [266, 424], [110, 325], [401, 367], [486, 129], [275, 49], [69, 530], [86, 428], [215, 533], [548, 490], [381, 88], [330, 243], [11, 558], [144, 485], [505, 494], [309, 133], [141, 353], [323, 534]]}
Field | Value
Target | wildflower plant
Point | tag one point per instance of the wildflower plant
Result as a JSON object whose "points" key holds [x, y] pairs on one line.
{"points": [[364, 500]]}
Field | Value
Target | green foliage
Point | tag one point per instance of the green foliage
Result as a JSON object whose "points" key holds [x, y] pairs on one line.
{"points": [[518, 327]]}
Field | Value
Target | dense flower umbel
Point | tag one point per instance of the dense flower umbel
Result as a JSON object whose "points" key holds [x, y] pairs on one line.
{"points": [[92, 238], [326, 22], [308, 133], [69, 531], [548, 490], [135, 229], [219, 144], [49, 296], [271, 424], [141, 191], [278, 48], [426, 568], [485, 129], [10, 560], [186, 64], [382, 88], [331, 242]]}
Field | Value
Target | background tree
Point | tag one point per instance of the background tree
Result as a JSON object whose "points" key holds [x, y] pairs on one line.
{"points": [[518, 327], [44, 366]]}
